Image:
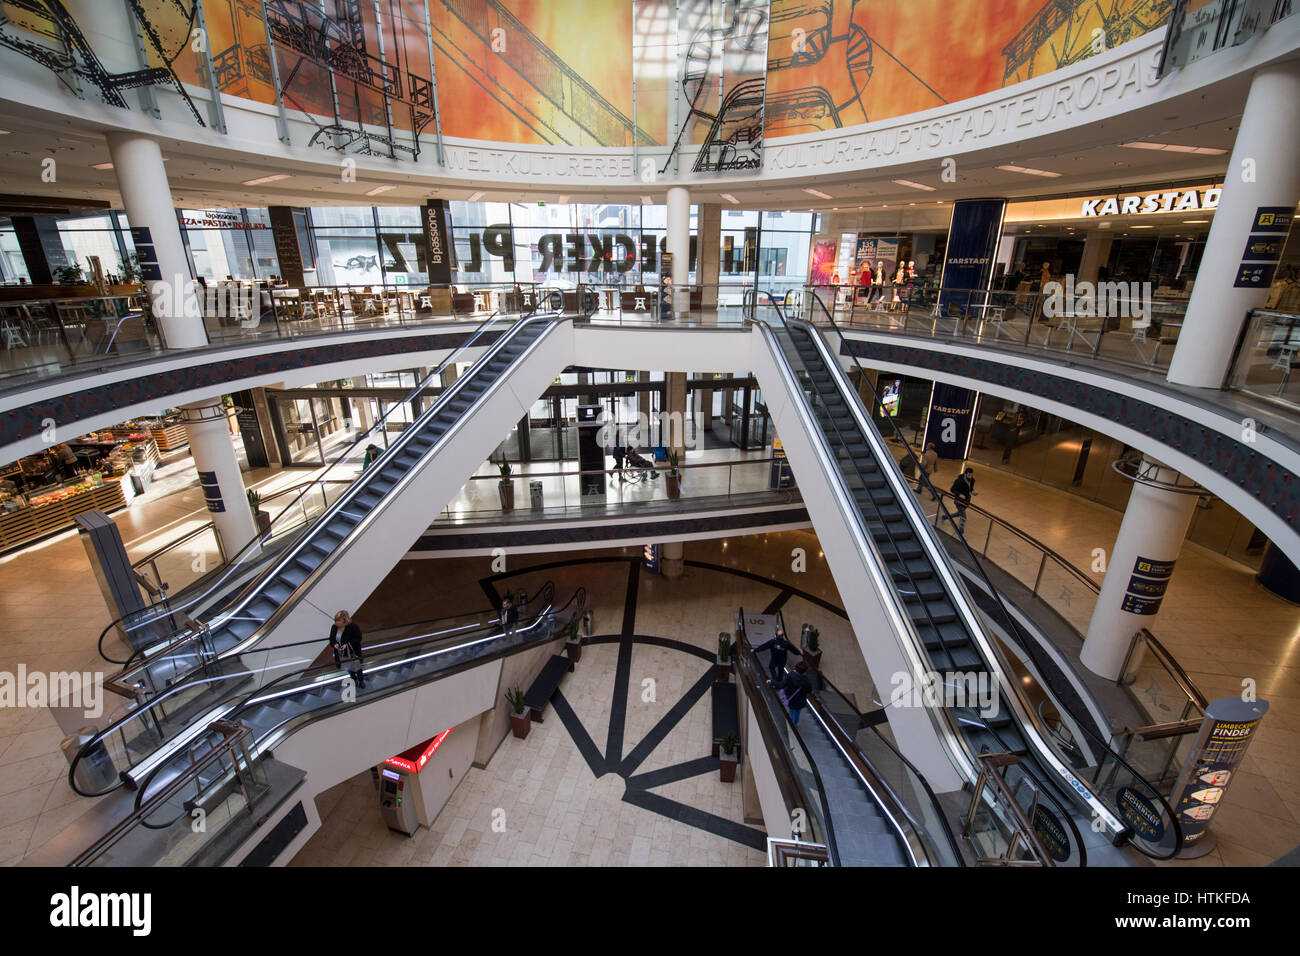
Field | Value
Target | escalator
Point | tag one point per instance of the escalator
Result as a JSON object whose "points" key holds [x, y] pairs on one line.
{"points": [[954, 642], [862, 817], [953, 648], [173, 791], [199, 672]]}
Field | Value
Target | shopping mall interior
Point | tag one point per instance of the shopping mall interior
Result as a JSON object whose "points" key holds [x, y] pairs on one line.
{"points": [[749, 433]]}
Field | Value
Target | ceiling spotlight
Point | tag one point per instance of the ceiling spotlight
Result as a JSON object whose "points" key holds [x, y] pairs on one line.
{"points": [[265, 179]]}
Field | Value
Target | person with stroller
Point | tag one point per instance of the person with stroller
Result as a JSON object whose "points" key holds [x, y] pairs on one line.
{"points": [[644, 465]]}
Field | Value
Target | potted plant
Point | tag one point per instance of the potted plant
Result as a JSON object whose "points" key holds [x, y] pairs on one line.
{"points": [[506, 487], [261, 517], [722, 673], [728, 756], [573, 643], [519, 719], [673, 480], [70, 274], [812, 649]]}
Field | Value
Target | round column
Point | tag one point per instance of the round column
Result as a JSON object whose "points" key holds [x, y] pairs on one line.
{"points": [[679, 243], [219, 476], [147, 199], [1264, 171], [1139, 566], [672, 559]]}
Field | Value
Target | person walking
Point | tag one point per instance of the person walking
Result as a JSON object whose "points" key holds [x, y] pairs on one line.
{"points": [[929, 467], [797, 687], [619, 454], [780, 647], [509, 614], [372, 453], [345, 637], [963, 489]]}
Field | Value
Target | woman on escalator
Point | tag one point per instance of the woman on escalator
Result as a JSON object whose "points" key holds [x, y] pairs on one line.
{"points": [[345, 637]]}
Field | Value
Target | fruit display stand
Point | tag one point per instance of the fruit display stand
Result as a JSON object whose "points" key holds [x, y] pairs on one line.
{"points": [[168, 433], [53, 511]]}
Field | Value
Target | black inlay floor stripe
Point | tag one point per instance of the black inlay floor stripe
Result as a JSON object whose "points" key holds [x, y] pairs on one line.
{"points": [[709, 822], [778, 602], [666, 723], [586, 746], [678, 771], [794, 592], [629, 601]]}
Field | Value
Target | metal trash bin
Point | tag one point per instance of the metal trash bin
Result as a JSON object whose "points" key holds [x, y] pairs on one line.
{"points": [[95, 772], [535, 495]]}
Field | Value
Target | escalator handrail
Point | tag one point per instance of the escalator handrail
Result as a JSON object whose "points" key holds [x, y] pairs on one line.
{"points": [[257, 540], [1123, 831], [189, 684], [920, 778], [749, 662]]}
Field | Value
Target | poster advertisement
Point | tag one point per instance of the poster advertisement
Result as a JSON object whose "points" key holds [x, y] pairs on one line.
{"points": [[948, 426], [872, 251], [822, 265], [973, 236]]}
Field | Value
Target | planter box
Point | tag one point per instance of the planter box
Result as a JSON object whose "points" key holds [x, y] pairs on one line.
{"points": [[506, 489], [520, 724], [812, 658], [722, 673], [727, 768], [574, 650], [673, 485]]}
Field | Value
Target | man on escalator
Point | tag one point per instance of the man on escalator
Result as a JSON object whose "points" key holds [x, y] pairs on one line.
{"points": [[963, 489], [780, 647], [797, 687]]}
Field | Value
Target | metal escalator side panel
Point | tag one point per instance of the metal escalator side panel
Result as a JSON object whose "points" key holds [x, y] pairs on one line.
{"points": [[1031, 731]]}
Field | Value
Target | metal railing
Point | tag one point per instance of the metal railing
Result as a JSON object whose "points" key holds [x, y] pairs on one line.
{"points": [[1126, 335]]}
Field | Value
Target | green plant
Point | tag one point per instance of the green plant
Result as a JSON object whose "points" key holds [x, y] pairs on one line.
{"points": [[131, 269], [672, 463], [724, 648], [729, 744], [515, 698], [814, 644], [68, 275], [573, 628], [505, 470], [254, 500]]}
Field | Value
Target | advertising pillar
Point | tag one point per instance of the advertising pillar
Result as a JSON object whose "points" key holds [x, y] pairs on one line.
{"points": [[948, 426], [1138, 568], [437, 241], [1254, 214], [1221, 743]]}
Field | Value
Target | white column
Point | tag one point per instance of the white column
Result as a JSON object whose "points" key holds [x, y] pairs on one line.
{"points": [[1096, 251], [1264, 171], [672, 559], [147, 199], [679, 243], [219, 476], [1155, 524]]}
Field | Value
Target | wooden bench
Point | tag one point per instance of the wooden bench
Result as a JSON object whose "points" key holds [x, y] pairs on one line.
{"points": [[546, 684], [726, 713]]}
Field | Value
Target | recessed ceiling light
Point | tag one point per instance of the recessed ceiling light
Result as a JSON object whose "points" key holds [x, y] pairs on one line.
{"points": [[1196, 222], [1175, 148], [102, 166], [563, 200], [908, 182], [817, 192], [265, 179], [4, 132], [475, 196], [1027, 171], [379, 189], [731, 199], [1141, 227], [647, 201]]}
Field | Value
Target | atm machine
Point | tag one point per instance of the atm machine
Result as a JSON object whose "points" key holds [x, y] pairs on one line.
{"points": [[396, 802]]}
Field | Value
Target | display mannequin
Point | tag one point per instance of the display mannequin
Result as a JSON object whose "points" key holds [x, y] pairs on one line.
{"points": [[899, 278], [911, 279], [878, 281], [863, 294]]}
